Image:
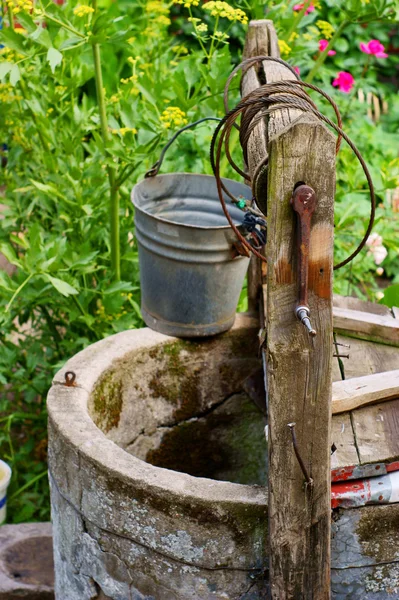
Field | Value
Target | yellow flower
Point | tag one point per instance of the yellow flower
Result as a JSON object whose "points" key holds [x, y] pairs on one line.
{"points": [[124, 130], [7, 93], [114, 98], [17, 6], [293, 36], [173, 115], [157, 7], [179, 50], [223, 9], [50, 110], [202, 27], [82, 10], [220, 36], [188, 3], [326, 29], [285, 49], [162, 20]]}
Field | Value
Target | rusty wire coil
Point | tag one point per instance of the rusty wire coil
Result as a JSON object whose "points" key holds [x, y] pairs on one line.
{"points": [[252, 109]]}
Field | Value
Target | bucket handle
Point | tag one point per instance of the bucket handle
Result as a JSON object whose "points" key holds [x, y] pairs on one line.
{"points": [[156, 166]]}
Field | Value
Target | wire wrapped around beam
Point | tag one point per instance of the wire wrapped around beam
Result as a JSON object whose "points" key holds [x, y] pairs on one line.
{"points": [[252, 109]]}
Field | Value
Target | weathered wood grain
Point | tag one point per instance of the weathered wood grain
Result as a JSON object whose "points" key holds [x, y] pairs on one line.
{"points": [[256, 44], [357, 392], [343, 437], [363, 306], [366, 325], [365, 358], [376, 431], [298, 373]]}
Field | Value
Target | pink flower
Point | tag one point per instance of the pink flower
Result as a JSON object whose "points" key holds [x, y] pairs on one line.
{"points": [[323, 45], [377, 250], [297, 70], [344, 81], [300, 6], [374, 47]]}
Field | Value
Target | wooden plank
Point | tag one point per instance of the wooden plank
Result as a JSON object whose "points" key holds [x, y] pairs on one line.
{"points": [[376, 431], [365, 358], [343, 438], [353, 393], [298, 374], [368, 326], [356, 304]]}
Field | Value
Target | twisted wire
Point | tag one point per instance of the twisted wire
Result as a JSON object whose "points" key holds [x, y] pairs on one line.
{"points": [[252, 109]]}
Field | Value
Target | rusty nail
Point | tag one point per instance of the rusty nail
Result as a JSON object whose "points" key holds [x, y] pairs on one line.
{"points": [[70, 377], [309, 480], [341, 344], [341, 355]]}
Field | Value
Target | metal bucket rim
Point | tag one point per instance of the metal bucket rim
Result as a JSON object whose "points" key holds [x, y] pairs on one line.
{"points": [[225, 180]]}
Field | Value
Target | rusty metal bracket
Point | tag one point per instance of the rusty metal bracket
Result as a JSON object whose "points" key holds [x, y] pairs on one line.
{"points": [[70, 377], [304, 202]]}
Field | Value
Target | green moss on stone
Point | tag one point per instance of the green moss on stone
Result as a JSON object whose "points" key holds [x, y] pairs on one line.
{"points": [[107, 402]]}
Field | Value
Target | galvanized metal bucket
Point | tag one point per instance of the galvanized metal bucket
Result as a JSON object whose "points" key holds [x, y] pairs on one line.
{"points": [[190, 277]]}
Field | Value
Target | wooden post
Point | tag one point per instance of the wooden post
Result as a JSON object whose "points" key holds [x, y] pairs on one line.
{"points": [[299, 384]]}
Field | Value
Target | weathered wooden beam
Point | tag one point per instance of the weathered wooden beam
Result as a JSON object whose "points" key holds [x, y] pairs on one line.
{"points": [[300, 149], [256, 44], [360, 391], [367, 326]]}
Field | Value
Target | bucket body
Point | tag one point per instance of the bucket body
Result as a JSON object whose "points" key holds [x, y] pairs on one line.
{"points": [[190, 282], [5, 476]]}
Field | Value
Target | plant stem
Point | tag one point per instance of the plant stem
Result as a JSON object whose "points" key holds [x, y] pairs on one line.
{"points": [[34, 119], [64, 25], [27, 485], [323, 55], [15, 294], [213, 39], [114, 190]]}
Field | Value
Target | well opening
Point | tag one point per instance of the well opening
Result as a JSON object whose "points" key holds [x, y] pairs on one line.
{"points": [[181, 405]]}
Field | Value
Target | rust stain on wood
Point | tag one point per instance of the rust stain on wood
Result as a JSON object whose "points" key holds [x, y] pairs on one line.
{"points": [[283, 272], [320, 278]]}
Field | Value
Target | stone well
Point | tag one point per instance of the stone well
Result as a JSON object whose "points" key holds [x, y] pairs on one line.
{"points": [[154, 458], [157, 469]]}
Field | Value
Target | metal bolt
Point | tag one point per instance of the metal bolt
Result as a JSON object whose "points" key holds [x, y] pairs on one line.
{"points": [[302, 313]]}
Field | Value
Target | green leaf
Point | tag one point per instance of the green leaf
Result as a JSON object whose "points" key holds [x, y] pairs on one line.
{"points": [[72, 41], [119, 286], [13, 40], [62, 286], [41, 36], [54, 57], [15, 75], [27, 22], [5, 68], [391, 296], [9, 253]]}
